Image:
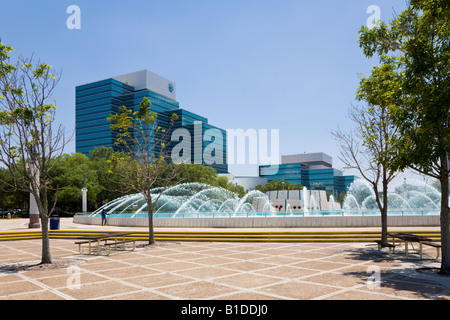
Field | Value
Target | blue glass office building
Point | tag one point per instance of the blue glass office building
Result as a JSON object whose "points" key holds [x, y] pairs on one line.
{"points": [[313, 170], [97, 100]]}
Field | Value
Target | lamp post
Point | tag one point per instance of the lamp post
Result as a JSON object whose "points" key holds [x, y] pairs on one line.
{"points": [[84, 191]]}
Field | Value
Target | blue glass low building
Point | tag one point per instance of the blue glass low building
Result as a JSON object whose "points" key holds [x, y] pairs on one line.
{"points": [[311, 170], [97, 100]]}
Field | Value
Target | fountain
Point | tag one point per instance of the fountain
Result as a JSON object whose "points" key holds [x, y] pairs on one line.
{"points": [[203, 202], [185, 199], [305, 196], [412, 197], [332, 203], [289, 209], [196, 199]]}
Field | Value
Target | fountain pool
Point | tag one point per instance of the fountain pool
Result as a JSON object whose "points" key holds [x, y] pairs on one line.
{"points": [[199, 205], [201, 200]]}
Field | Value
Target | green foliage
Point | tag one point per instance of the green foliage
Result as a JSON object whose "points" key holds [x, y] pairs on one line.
{"points": [[27, 129], [375, 127], [6, 68], [143, 164], [99, 158], [414, 77], [196, 173], [187, 173], [130, 125], [11, 198], [30, 141], [274, 185], [100, 181], [414, 50], [68, 182], [223, 182]]}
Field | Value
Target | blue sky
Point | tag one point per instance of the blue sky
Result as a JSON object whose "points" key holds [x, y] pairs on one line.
{"points": [[265, 64]]}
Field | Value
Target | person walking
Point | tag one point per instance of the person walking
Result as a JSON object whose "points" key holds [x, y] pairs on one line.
{"points": [[104, 220]]}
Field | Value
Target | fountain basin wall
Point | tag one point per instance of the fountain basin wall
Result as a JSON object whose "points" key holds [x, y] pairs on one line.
{"points": [[268, 222]]}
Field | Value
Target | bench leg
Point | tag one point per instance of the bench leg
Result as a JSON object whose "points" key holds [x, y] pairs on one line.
{"points": [[379, 248], [134, 246], [81, 251], [90, 248], [391, 250], [125, 249], [109, 251], [420, 249]]}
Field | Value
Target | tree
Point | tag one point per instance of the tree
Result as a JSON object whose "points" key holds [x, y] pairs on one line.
{"points": [[274, 185], [99, 158], [30, 140], [370, 148], [418, 44], [12, 198], [68, 180], [204, 174], [195, 173], [223, 182], [143, 164]]}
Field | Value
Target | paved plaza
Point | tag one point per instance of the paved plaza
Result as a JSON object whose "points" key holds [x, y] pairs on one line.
{"points": [[216, 271]]}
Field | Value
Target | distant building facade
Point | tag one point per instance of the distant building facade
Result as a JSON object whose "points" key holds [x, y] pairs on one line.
{"points": [[312, 170], [97, 100]]}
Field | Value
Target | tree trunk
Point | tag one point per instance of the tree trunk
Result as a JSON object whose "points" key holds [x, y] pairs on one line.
{"points": [[445, 219], [384, 223], [151, 233], [383, 207], [46, 256]]}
